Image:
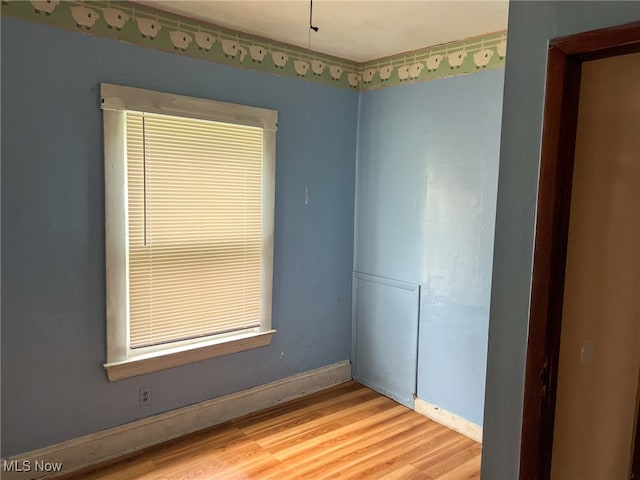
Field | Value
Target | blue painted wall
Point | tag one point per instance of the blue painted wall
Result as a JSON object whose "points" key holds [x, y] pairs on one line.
{"points": [[53, 305], [531, 25], [425, 207]]}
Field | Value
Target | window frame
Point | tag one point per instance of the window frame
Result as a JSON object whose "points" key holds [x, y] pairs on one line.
{"points": [[122, 361]]}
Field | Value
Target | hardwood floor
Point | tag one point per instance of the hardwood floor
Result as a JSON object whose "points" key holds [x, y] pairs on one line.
{"points": [[346, 432]]}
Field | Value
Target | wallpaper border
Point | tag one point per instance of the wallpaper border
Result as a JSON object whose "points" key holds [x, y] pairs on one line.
{"points": [[152, 28]]}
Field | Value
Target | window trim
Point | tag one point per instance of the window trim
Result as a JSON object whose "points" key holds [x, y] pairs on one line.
{"points": [[122, 361], [120, 98]]}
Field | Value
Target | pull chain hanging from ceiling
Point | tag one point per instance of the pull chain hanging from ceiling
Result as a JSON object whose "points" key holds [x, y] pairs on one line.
{"points": [[306, 157], [311, 26]]}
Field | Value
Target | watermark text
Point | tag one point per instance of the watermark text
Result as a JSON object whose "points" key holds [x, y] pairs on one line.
{"points": [[31, 466]]}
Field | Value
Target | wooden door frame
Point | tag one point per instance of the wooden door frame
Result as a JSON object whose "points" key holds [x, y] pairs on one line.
{"points": [[564, 65], [635, 460]]}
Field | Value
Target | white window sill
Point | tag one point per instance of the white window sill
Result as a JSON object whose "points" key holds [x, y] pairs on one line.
{"points": [[176, 356]]}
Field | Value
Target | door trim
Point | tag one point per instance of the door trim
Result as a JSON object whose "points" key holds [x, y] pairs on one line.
{"points": [[635, 461], [564, 64]]}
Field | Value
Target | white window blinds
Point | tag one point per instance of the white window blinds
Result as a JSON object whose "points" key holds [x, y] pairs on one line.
{"points": [[194, 193]]}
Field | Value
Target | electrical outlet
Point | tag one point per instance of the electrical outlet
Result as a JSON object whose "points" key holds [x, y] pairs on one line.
{"points": [[144, 397]]}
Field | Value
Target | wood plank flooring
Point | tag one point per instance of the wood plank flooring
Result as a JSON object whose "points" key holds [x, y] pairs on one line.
{"points": [[345, 432]]}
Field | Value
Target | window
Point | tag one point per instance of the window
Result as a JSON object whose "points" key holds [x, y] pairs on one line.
{"points": [[189, 186]]}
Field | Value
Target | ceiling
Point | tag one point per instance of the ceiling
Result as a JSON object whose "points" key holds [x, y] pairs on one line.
{"points": [[357, 30]]}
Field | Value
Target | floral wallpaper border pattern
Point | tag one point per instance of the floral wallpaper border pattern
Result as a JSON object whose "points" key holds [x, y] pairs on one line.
{"points": [[148, 27]]}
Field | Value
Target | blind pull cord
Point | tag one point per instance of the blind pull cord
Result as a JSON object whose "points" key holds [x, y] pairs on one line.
{"points": [[144, 178]]}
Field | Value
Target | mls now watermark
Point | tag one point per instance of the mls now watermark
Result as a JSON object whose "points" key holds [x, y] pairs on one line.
{"points": [[29, 466]]}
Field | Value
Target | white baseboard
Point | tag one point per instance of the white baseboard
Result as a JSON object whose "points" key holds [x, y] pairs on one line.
{"points": [[449, 420], [109, 444]]}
